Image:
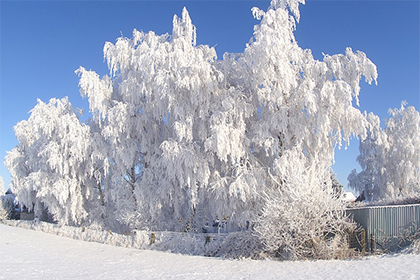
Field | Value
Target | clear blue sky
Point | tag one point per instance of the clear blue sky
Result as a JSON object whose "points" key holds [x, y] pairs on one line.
{"points": [[44, 42]]}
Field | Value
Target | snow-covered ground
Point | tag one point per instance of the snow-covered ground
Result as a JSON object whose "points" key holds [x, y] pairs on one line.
{"points": [[28, 254]]}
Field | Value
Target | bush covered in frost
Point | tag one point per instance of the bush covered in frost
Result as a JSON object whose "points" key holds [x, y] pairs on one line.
{"points": [[7, 206], [304, 218]]}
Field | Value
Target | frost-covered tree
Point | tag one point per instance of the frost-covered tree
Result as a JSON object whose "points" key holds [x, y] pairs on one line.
{"points": [[171, 117], [7, 206], [303, 109], [153, 110], [6, 203], [194, 137], [51, 166], [390, 157]]}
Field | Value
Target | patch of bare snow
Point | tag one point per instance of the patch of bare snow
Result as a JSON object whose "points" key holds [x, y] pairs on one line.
{"points": [[36, 255]]}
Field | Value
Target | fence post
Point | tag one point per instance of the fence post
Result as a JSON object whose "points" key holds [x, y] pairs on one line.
{"points": [[152, 238], [363, 240], [371, 243]]}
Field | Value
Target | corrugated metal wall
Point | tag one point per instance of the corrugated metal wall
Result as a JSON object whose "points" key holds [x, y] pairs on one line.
{"points": [[387, 227]]}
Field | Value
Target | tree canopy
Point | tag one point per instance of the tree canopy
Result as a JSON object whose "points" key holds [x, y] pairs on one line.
{"points": [[390, 157]]}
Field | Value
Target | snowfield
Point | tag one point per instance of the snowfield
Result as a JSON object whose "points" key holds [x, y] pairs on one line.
{"points": [[36, 255]]}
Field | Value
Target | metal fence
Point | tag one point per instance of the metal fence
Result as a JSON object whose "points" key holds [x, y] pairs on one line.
{"points": [[386, 228]]}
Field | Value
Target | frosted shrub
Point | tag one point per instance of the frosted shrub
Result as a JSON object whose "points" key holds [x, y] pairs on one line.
{"points": [[242, 244], [298, 228], [7, 207], [414, 247], [303, 218]]}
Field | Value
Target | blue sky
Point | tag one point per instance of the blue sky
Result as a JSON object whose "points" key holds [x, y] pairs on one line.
{"points": [[42, 43]]}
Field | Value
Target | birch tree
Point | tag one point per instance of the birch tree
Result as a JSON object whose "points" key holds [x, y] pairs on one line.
{"points": [[51, 166], [153, 109], [390, 157], [305, 110]]}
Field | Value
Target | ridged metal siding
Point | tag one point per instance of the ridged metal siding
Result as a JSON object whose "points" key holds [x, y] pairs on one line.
{"points": [[387, 227]]}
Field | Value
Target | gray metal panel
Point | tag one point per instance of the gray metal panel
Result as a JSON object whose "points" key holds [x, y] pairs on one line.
{"points": [[387, 227]]}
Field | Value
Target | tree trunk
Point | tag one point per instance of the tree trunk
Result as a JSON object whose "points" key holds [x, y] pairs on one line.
{"points": [[101, 194]]}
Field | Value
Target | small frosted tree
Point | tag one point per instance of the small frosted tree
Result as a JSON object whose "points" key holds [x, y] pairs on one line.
{"points": [[51, 166], [6, 206], [153, 110], [390, 157], [6, 203]]}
